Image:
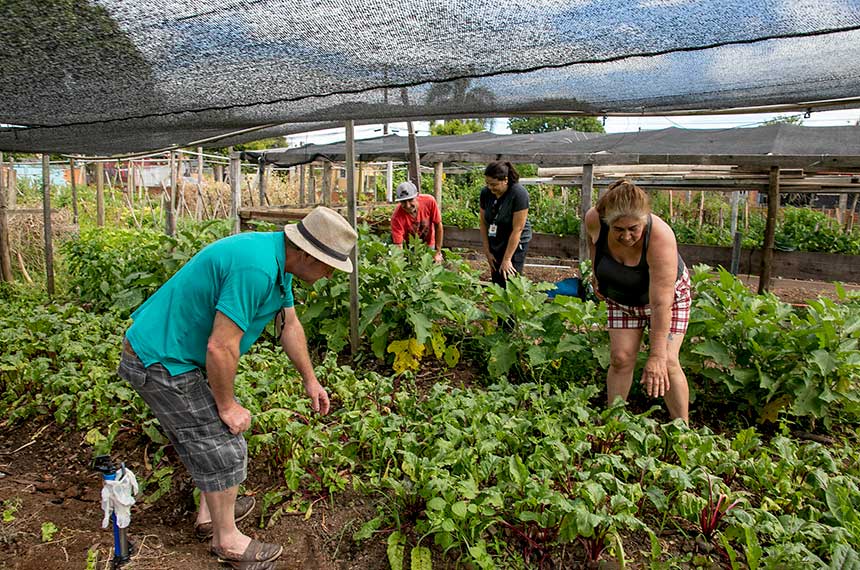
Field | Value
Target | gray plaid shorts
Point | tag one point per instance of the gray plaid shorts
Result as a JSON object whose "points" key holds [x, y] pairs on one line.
{"points": [[185, 408]]}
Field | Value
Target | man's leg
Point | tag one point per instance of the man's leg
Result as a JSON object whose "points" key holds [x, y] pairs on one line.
{"points": [[678, 397], [623, 348], [226, 537]]}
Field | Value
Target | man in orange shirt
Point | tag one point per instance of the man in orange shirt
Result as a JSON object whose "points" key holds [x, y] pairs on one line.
{"points": [[416, 215]]}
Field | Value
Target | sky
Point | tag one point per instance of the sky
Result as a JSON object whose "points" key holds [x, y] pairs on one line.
{"points": [[613, 125]]}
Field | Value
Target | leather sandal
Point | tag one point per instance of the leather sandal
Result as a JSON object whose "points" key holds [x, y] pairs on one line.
{"points": [[257, 551], [244, 506]]}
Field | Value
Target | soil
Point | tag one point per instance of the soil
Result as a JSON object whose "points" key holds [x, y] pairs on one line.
{"points": [[45, 477]]}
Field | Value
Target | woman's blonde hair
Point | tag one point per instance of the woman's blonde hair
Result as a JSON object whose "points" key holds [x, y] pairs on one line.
{"points": [[623, 199]]}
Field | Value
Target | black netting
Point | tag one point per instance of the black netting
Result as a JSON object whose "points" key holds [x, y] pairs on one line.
{"points": [[122, 75]]}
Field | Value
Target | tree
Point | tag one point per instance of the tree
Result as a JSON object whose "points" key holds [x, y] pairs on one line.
{"points": [[787, 119], [529, 125], [261, 144], [457, 127]]}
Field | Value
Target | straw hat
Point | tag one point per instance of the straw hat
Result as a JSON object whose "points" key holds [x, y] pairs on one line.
{"points": [[325, 235]]}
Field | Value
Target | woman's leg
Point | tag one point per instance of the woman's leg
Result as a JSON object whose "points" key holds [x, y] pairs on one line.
{"points": [[678, 397], [623, 348]]}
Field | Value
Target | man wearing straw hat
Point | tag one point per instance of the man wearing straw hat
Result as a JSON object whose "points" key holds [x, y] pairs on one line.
{"points": [[182, 351]]}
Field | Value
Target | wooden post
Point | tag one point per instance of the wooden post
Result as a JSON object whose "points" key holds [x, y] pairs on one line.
{"points": [[74, 191], [100, 194], [5, 251], [671, 206], [198, 207], [769, 231], [46, 217], [733, 200], [235, 190], [170, 207], [736, 253], [261, 182], [843, 207], [414, 161], [851, 213], [12, 185], [389, 182], [352, 218], [584, 206], [701, 207], [312, 186], [438, 177], [302, 201], [326, 184]]}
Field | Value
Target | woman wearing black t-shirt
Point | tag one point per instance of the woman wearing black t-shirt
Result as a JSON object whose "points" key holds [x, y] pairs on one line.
{"points": [[505, 228]]}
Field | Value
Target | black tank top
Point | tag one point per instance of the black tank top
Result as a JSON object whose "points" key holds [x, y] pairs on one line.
{"points": [[622, 283]]}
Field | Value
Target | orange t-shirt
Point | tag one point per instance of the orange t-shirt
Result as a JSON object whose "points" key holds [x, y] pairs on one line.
{"points": [[422, 225]]}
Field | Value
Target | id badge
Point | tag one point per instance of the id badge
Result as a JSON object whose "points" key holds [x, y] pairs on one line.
{"points": [[491, 231]]}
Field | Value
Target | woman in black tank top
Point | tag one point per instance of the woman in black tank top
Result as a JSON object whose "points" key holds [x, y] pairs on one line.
{"points": [[640, 275]]}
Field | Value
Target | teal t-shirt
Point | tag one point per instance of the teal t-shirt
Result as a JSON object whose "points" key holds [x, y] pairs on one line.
{"points": [[241, 276]]}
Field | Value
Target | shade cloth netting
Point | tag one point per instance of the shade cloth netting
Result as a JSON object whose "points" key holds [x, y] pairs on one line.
{"points": [[104, 76], [810, 146]]}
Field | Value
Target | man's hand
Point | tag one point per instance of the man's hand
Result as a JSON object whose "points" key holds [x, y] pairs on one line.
{"points": [[318, 396], [655, 377], [438, 257], [236, 417]]}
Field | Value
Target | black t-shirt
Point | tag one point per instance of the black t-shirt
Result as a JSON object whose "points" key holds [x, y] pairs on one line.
{"points": [[501, 212]]}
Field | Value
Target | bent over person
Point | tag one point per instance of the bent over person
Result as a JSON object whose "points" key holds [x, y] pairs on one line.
{"points": [[181, 355], [641, 276], [416, 215]]}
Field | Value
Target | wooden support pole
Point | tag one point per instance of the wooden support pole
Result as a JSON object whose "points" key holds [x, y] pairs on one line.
{"points": [[326, 184], [438, 177], [852, 213], [736, 253], [701, 208], [198, 207], [414, 160], [312, 186], [843, 207], [235, 190], [302, 200], [734, 197], [46, 217], [5, 249], [73, 172], [131, 185], [585, 205], [389, 182], [12, 185], [671, 206], [261, 182], [100, 194], [769, 231], [170, 207], [352, 218]]}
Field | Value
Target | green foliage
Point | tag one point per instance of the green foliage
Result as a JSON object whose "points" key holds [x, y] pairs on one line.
{"points": [[526, 125], [784, 119], [49, 530], [767, 357], [119, 269], [457, 127]]}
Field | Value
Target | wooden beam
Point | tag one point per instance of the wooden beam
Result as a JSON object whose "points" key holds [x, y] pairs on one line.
{"points": [[302, 201], [326, 184], [585, 205], [198, 206], [46, 217], [769, 231], [353, 221]]}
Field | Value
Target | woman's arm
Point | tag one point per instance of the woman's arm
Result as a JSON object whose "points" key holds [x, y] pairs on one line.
{"points": [[592, 228], [519, 223], [486, 240], [663, 267]]}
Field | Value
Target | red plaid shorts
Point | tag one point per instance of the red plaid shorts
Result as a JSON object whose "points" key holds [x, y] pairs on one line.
{"points": [[627, 317]]}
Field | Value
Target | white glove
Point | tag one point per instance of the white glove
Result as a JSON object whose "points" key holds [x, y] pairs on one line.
{"points": [[118, 497]]}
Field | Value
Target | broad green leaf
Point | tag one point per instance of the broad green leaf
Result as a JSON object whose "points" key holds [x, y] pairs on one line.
{"points": [[421, 558], [395, 550]]}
